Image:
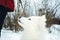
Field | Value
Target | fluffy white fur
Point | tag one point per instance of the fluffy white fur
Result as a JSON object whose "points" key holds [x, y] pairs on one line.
{"points": [[34, 28]]}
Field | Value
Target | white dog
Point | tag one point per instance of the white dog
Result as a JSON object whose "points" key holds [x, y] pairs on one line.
{"points": [[34, 28]]}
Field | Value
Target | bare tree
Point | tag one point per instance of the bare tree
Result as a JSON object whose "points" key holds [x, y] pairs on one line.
{"points": [[50, 16]]}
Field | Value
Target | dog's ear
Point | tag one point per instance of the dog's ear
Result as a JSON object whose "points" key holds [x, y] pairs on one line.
{"points": [[21, 24], [44, 18]]}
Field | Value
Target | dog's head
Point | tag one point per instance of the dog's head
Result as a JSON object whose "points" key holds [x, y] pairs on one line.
{"points": [[32, 21]]}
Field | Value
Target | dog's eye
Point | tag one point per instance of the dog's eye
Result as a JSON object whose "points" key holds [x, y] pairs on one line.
{"points": [[29, 19]]}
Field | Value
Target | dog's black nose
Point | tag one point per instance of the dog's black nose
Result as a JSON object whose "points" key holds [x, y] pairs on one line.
{"points": [[19, 20], [20, 17]]}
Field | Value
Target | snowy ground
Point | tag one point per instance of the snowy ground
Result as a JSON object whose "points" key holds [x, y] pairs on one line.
{"points": [[9, 35]]}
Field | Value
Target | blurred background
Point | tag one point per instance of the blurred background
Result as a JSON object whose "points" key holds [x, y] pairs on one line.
{"points": [[50, 8]]}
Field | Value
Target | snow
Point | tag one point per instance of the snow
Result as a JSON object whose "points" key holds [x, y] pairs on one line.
{"points": [[55, 35], [10, 35]]}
